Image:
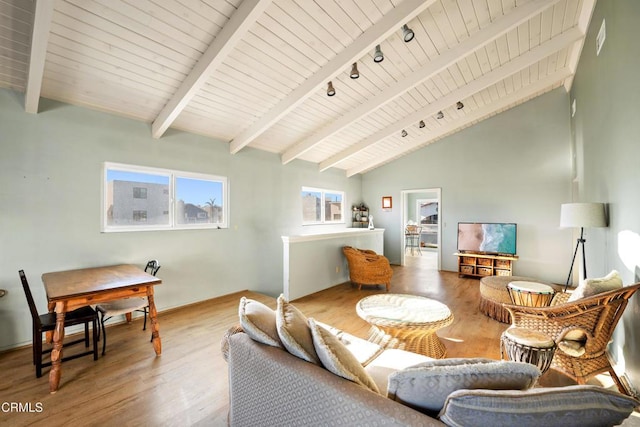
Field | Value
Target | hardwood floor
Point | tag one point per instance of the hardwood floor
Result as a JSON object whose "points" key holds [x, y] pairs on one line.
{"points": [[187, 385]]}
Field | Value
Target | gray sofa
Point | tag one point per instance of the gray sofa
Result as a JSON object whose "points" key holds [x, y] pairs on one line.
{"points": [[289, 370], [270, 387]]}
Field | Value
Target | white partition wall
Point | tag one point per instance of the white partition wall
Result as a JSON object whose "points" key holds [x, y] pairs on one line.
{"points": [[315, 262]]}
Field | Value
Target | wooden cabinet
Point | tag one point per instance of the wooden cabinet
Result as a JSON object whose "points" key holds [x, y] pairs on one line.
{"points": [[485, 265]]}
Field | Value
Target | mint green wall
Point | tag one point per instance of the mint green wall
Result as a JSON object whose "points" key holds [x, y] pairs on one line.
{"points": [[513, 167], [606, 130], [50, 170]]}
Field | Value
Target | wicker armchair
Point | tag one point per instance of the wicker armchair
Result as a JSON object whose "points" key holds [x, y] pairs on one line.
{"points": [[367, 268], [582, 329]]}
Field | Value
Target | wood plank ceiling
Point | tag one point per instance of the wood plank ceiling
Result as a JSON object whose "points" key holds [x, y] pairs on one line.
{"points": [[255, 72]]}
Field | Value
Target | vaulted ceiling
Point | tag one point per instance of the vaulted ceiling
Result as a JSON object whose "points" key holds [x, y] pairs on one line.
{"points": [[255, 72]]}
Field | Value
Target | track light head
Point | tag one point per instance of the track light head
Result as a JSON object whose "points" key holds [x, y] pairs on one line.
{"points": [[440, 115], [404, 133], [354, 71], [459, 105], [378, 56], [330, 90], [421, 124], [407, 33]]}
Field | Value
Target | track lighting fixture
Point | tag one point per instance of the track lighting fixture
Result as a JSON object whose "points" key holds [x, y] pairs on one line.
{"points": [[421, 124], [330, 90], [404, 133], [354, 71], [407, 33], [460, 105], [440, 115], [378, 56]]}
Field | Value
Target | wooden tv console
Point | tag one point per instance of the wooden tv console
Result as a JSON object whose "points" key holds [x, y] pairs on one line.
{"points": [[480, 265]]}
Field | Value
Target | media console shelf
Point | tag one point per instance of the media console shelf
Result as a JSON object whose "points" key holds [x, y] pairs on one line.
{"points": [[480, 265]]}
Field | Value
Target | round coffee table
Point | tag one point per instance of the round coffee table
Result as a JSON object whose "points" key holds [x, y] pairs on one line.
{"points": [[407, 322]]}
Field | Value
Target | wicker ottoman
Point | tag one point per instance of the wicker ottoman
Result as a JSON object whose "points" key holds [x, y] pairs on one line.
{"points": [[494, 292]]}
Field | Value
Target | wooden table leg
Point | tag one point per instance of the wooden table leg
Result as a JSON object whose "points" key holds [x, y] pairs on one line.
{"points": [[155, 328], [56, 353], [49, 334]]}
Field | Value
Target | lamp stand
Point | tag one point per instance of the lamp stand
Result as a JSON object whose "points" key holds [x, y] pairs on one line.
{"points": [[580, 241]]}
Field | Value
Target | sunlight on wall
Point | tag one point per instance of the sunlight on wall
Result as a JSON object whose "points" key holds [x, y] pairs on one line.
{"points": [[629, 249], [629, 253]]}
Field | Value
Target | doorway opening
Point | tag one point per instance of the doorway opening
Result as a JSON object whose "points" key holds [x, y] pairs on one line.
{"points": [[421, 228]]}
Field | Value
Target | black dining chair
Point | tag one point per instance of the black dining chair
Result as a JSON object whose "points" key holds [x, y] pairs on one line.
{"points": [[107, 310], [47, 322]]}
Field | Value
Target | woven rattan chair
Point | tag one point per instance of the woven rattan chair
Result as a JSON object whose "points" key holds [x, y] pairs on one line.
{"points": [[593, 317], [367, 268]]}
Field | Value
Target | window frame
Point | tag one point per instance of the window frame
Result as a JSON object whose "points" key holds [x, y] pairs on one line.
{"points": [[173, 176], [323, 192]]}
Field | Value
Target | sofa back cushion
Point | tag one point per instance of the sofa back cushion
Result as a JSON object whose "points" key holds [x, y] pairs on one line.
{"points": [[259, 322], [579, 405], [425, 386], [337, 358], [293, 330]]}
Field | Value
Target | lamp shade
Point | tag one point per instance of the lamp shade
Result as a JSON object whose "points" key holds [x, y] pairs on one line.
{"points": [[582, 215]]}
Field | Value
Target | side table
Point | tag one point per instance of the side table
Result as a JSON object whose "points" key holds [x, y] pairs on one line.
{"points": [[526, 345]]}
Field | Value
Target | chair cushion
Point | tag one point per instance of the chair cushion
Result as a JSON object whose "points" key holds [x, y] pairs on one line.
{"points": [[259, 322], [336, 358], [591, 287], [294, 332], [122, 306], [579, 405], [425, 386]]}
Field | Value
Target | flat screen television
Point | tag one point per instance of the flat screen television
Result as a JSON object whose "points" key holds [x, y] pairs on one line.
{"points": [[487, 238]]}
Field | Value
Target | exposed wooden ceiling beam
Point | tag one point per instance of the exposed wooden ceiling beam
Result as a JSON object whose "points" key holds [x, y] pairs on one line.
{"points": [[39, 39], [470, 118], [448, 58], [391, 22], [534, 55], [239, 24]]}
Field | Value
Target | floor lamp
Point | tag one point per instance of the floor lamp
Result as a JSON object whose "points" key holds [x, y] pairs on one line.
{"points": [[581, 215]]}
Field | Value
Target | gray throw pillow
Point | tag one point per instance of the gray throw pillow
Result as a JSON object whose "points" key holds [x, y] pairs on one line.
{"points": [[576, 405], [425, 386]]}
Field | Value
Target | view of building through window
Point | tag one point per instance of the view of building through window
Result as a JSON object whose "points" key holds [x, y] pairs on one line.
{"points": [[143, 199], [322, 206]]}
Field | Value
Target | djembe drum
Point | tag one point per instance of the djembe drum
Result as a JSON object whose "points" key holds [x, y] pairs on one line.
{"points": [[530, 294], [525, 345]]}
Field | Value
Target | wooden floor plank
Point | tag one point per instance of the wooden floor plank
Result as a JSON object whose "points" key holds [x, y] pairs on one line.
{"points": [[188, 385]]}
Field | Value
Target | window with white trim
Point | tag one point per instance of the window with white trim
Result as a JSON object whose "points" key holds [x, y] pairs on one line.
{"points": [[321, 206], [141, 198]]}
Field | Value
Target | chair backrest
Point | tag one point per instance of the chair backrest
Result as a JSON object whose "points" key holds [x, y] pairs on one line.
{"points": [[413, 229], [27, 291], [152, 267], [598, 315]]}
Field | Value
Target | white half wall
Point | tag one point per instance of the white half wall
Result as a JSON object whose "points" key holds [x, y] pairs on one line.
{"points": [[314, 262]]}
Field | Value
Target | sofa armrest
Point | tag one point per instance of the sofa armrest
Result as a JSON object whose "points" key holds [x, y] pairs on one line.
{"points": [[268, 386]]}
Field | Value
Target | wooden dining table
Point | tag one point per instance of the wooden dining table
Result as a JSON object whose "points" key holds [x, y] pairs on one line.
{"points": [[72, 289]]}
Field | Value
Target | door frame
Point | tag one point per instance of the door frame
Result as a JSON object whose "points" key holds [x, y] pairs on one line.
{"points": [[404, 215]]}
